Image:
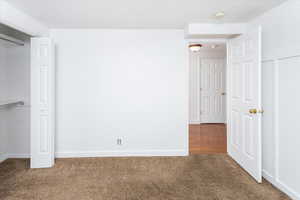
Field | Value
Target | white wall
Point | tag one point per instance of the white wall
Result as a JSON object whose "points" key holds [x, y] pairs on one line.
{"points": [[217, 30], [2, 71], [194, 81], [281, 61], [3, 133], [18, 87], [21, 21], [14, 85], [128, 84]]}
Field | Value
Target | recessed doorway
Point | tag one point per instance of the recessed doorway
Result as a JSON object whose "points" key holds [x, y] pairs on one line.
{"points": [[207, 129]]}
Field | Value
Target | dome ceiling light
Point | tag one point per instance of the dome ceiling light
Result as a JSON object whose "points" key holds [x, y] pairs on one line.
{"points": [[220, 15], [195, 47]]}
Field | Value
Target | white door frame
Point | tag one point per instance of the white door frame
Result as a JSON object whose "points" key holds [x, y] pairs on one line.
{"points": [[200, 41]]}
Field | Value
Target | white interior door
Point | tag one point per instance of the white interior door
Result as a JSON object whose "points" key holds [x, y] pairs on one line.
{"points": [[212, 90], [42, 103], [244, 102]]}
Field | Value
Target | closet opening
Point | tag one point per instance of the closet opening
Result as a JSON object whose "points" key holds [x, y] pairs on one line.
{"points": [[15, 86], [207, 118]]}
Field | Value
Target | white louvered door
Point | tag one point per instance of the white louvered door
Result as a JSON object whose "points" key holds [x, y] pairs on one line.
{"points": [[42, 103]]}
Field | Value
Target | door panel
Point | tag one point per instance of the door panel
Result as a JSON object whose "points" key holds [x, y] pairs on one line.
{"points": [[244, 88], [42, 103], [235, 139], [212, 98]]}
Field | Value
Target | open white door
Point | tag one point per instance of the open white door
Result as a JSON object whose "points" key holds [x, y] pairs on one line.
{"points": [[42, 103], [244, 102]]}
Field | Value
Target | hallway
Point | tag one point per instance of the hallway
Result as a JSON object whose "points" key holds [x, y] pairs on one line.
{"points": [[207, 138]]}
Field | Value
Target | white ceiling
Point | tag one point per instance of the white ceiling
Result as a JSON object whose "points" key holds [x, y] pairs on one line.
{"points": [[208, 47], [139, 13]]}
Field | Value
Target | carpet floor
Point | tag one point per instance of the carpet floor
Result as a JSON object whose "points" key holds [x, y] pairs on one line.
{"points": [[198, 177]]}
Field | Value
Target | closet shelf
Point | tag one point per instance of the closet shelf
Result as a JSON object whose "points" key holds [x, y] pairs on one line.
{"points": [[11, 102]]}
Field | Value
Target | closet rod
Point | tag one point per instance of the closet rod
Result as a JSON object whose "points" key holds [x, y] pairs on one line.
{"points": [[11, 39], [11, 102]]}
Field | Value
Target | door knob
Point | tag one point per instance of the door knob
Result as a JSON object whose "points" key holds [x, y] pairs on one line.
{"points": [[223, 93], [254, 111]]}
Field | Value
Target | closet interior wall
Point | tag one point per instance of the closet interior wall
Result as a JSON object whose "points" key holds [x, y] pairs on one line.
{"points": [[3, 112], [15, 85]]}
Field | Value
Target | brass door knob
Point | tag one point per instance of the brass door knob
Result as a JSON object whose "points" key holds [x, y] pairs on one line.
{"points": [[254, 111]]}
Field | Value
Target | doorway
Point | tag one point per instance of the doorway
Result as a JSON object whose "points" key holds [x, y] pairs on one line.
{"points": [[207, 128], [15, 92], [27, 97], [244, 111]]}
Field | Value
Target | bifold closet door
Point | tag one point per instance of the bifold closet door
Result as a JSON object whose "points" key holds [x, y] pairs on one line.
{"points": [[42, 103]]}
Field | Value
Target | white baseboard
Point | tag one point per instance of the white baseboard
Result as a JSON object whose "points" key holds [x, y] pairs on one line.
{"points": [[11, 155], [194, 122], [268, 176], [291, 193], [3, 157], [82, 154]]}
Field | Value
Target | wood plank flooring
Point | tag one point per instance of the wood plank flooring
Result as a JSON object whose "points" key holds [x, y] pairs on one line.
{"points": [[207, 138]]}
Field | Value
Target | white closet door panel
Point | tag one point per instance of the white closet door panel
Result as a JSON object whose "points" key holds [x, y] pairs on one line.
{"points": [[42, 103]]}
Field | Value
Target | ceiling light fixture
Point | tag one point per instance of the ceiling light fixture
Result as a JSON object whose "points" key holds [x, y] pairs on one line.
{"points": [[195, 47], [220, 14], [214, 46]]}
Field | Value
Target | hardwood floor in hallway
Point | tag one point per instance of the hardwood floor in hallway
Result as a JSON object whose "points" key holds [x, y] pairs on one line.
{"points": [[207, 138]]}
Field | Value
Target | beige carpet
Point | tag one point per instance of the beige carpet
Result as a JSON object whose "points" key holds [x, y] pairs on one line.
{"points": [[199, 177]]}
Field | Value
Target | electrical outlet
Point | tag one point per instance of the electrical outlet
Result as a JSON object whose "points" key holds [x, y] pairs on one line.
{"points": [[119, 141]]}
